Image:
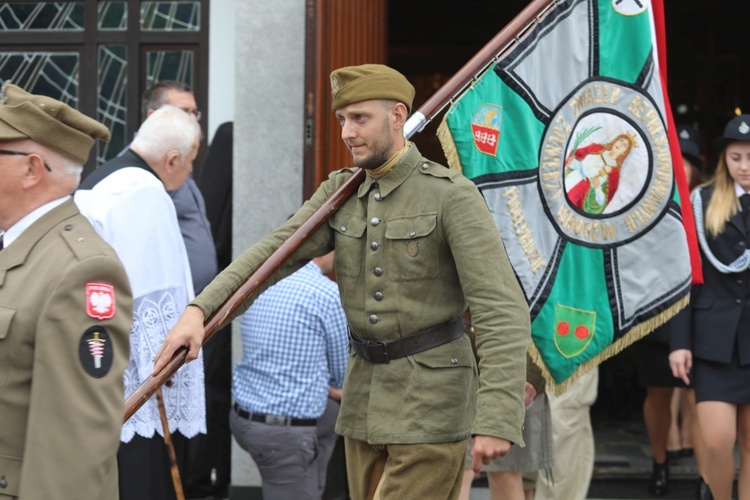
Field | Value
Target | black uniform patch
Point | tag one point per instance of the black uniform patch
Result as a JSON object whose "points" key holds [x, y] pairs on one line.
{"points": [[95, 351]]}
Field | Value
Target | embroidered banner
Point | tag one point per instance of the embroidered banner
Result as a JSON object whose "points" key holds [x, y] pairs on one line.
{"points": [[566, 137]]}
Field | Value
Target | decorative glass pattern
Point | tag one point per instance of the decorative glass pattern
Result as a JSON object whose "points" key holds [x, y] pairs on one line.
{"points": [[112, 16], [112, 102], [171, 16], [169, 65], [42, 44], [54, 74], [41, 16]]}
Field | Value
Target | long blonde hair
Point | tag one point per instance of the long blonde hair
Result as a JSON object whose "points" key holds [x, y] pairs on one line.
{"points": [[723, 204]]}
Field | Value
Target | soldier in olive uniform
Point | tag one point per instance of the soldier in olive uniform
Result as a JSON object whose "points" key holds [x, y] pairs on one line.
{"points": [[65, 311], [414, 246]]}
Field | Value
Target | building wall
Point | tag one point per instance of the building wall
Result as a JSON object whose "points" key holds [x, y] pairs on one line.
{"points": [[268, 127], [221, 76]]}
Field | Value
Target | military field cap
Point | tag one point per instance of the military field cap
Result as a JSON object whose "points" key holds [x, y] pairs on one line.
{"points": [[738, 129], [690, 144], [48, 122], [369, 81]]}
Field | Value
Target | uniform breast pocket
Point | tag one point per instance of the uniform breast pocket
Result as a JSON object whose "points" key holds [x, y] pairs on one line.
{"points": [[348, 233], [412, 247], [6, 318]]}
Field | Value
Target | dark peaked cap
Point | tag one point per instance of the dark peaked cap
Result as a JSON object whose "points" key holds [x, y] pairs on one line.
{"points": [[738, 129], [48, 122], [689, 144]]}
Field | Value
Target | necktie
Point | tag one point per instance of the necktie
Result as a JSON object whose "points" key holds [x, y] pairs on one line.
{"points": [[1, 241], [745, 204]]}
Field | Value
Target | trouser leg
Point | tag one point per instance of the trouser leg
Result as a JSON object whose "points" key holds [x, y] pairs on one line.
{"points": [[285, 456], [408, 470]]}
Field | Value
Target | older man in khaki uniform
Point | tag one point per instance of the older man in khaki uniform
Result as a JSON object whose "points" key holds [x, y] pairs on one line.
{"points": [[414, 247], [65, 311]]}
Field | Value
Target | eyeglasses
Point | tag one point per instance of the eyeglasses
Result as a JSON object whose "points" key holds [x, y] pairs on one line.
{"points": [[195, 112], [9, 152]]}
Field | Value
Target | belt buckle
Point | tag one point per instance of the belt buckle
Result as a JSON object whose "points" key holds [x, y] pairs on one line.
{"points": [[382, 353], [275, 420]]}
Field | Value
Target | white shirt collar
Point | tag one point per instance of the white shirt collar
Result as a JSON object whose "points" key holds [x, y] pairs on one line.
{"points": [[738, 189], [14, 231]]}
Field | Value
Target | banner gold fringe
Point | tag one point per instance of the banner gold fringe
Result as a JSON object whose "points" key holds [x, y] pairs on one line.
{"points": [[449, 147], [616, 347]]}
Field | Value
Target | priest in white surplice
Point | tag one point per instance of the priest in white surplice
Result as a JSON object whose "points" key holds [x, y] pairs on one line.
{"points": [[126, 201]]}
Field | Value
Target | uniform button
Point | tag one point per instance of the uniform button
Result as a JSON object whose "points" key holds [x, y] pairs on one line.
{"points": [[374, 221], [412, 234], [378, 271], [69, 227], [343, 229], [742, 243], [373, 319], [739, 282], [378, 296], [374, 245], [425, 166], [454, 361], [377, 197], [739, 301], [3, 483]]}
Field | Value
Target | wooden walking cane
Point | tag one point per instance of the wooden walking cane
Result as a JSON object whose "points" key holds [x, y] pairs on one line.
{"points": [[489, 54], [179, 494]]}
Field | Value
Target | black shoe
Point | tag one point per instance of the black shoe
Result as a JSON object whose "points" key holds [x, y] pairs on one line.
{"points": [[674, 455], [658, 484], [703, 492]]}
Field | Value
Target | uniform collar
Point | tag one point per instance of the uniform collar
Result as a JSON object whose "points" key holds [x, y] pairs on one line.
{"points": [[739, 191], [395, 177], [27, 220], [16, 255]]}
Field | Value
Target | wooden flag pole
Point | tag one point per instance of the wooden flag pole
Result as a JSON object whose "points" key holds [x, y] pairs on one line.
{"points": [[179, 494], [510, 35]]}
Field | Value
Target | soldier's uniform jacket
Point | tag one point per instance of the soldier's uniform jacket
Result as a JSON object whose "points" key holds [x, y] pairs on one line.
{"points": [[412, 249], [65, 314]]}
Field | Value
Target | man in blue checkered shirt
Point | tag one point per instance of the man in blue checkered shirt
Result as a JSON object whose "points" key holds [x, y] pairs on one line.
{"points": [[294, 348]]}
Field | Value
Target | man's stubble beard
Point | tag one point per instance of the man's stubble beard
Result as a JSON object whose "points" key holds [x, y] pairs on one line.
{"points": [[381, 151]]}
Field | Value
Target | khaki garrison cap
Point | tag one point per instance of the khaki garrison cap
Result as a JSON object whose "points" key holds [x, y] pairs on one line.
{"points": [[48, 122], [369, 81]]}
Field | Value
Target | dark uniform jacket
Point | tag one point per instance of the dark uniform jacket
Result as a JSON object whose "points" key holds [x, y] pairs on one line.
{"points": [[61, 408], [413, 248], [721, 306]]}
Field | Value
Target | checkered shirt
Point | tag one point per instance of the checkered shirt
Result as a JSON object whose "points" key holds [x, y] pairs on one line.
{"points": [[294, 347]]}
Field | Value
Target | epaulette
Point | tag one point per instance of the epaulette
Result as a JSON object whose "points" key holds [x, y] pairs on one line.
{"points": [[437, 170], [83, 240]]}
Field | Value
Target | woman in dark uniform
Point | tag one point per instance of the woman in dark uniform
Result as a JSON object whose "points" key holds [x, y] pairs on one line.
{"points": [[719, 347]]}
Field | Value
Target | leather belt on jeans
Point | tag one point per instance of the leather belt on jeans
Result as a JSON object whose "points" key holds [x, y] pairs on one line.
{"points": [[383, 352], [274, 419]]}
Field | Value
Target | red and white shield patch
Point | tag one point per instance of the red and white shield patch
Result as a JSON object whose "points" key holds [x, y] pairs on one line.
{"points": [[100, 300]]}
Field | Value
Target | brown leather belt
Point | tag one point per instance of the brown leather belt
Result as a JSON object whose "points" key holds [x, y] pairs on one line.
{"points": [[383, 352]]}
